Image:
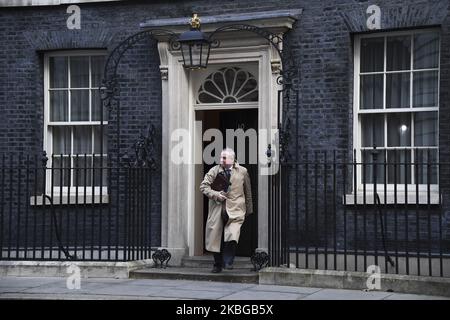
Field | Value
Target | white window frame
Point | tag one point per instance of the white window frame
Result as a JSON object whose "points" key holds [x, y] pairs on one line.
{"points": [[411, 187], [65, 194], [200, 78]]}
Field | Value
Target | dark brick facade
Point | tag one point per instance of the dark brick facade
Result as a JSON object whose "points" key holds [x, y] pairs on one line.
{"points": [[322, 43]]}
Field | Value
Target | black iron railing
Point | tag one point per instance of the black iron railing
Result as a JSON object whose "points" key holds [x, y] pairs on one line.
{"points": [[79, 210], [338, 212]]}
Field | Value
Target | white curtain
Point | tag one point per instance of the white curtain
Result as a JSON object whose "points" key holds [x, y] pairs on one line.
{"points": [[399, 170], [82, 140], [425, 129], [58, 72], [372, 129], [79, 72], [399, 129], [371, 91], [61, 140], [97, 65], [425, 89], [369, 164], [426, 51], [59, 107], [372, 54], [397, 90], [98, 140], [79, 106], [398, 53], [371, 86]]}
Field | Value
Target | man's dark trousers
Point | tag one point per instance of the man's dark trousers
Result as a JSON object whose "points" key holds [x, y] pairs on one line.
{"points": [[227, 251]]}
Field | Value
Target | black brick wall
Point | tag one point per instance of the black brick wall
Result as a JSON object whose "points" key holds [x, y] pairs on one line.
{"points": [[322, 43]]}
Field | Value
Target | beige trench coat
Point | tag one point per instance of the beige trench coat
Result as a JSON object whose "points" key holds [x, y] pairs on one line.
{"points": [[238, 205]]}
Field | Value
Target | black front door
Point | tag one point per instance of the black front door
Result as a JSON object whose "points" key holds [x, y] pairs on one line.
{"points": [[234, 119]]}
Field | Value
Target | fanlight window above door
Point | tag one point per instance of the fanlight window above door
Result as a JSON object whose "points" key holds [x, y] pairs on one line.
{"points": [[228, 85]]}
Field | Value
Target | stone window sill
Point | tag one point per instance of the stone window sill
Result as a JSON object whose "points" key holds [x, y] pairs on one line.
{"points": [[390, 198], [69, 200]]}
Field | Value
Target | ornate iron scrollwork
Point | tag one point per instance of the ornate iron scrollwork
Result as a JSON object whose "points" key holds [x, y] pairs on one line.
{"points": [[259, 260], [289, 74], [144, 149], [161, 255], [44, 159], [285, 137], [110, 89], [269, 155]]}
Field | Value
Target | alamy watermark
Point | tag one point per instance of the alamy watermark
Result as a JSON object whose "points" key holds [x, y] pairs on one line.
{"points": [[374, 280], [249, 145], [73, 281], [74, 20], [374, 20]]}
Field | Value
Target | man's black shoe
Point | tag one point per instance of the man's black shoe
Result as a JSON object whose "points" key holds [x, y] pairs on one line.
{"points": [[216, 269]]}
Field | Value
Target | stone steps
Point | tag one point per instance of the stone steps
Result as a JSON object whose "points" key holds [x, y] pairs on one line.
{"points": [[200, 274], [207, 262], [199, 268]]}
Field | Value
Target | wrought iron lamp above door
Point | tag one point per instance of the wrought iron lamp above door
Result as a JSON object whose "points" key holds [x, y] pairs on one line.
{"points": [[195, 46]]}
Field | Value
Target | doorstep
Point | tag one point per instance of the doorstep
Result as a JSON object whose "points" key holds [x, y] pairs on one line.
{"points": [[195, 273]]}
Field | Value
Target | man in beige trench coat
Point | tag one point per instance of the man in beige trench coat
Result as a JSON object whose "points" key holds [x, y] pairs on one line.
{"points": [[237, 201]]}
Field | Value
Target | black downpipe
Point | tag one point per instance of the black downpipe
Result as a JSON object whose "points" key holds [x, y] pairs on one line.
{"points": [[57, 232], [378, 205]]}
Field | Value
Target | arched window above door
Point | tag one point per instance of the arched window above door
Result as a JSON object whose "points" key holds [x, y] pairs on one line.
{"points": [[228, 85]]}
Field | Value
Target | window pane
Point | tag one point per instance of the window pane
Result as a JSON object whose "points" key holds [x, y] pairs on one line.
{"points": [[205, 53], [58, 72], [397, 90], [241, 78], [427, 169], [426, 50], [230, 74], [79, 72], [100, 171], [59, 107], [425, 89], [97, 66], [399, 129], [398, 53], [96, 107], [61, 172], [368, 173], [371, 92], [82, 139], [249, 92], [207, 98], [425, 129], [97, 140], [372, 54], [61, 140], [195, 49], [372, 130], [399, 168], [79, 107], [83, 171], [211, 88]]}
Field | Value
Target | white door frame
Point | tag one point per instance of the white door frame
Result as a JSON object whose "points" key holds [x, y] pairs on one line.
{"points": [[181, 219]]}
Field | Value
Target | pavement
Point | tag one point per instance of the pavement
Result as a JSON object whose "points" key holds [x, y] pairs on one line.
{"points": [[159, 289]]}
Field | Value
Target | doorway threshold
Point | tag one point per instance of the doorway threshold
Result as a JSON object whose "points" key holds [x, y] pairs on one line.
{"points": [[206, 261]]}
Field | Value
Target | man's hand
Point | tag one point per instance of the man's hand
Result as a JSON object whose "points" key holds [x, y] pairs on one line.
{"points": [[222, 196]]}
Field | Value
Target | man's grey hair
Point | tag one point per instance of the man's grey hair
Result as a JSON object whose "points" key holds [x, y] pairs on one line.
{"points": [[230, 152]]}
